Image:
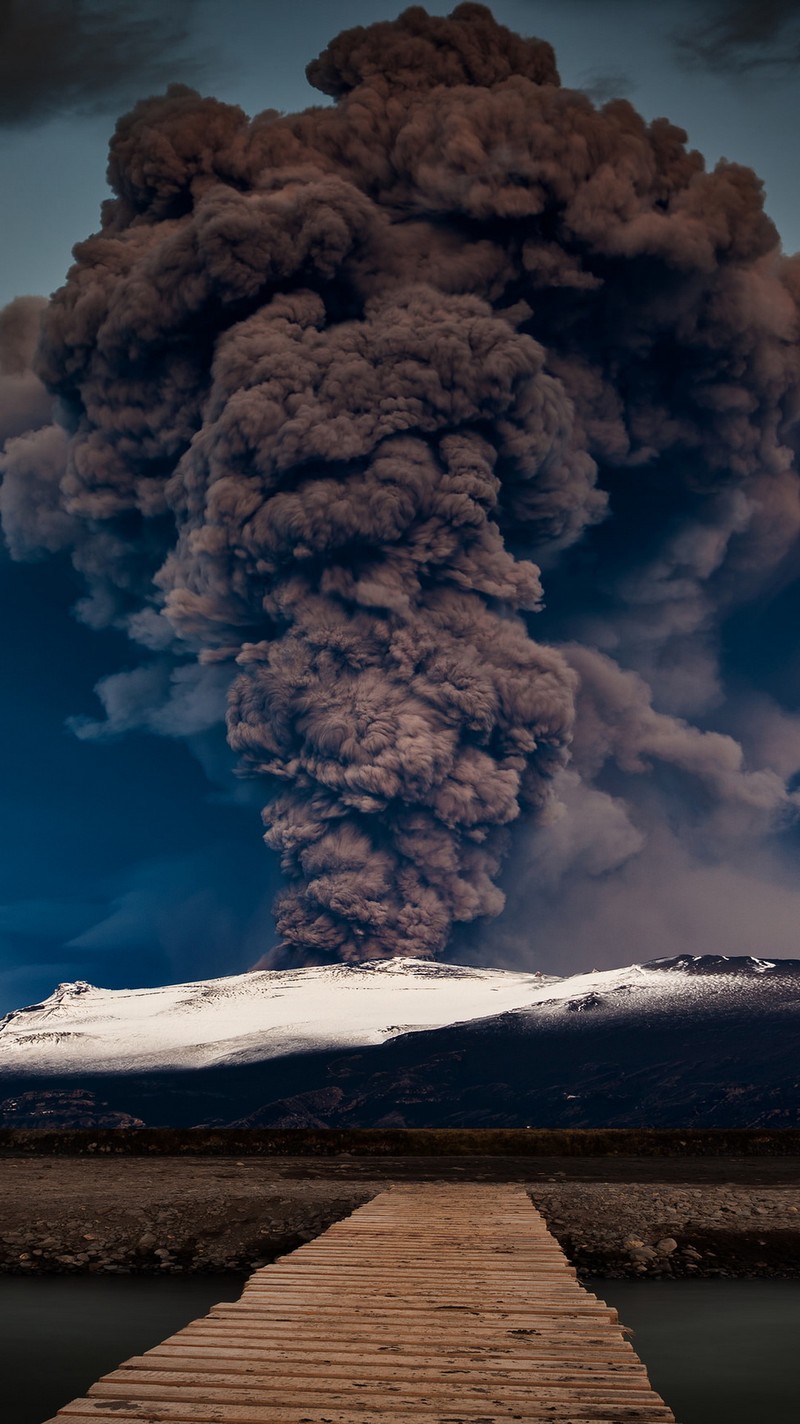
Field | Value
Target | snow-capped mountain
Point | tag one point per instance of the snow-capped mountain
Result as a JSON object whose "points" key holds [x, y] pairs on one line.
{"points": [[252, 1017], [705, 1039]]}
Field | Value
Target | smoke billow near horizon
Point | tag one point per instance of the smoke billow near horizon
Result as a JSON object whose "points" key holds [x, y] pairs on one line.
{"points": [[447, 433]]}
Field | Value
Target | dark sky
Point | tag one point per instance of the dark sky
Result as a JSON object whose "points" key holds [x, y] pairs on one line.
{"points": [[137, 859]]}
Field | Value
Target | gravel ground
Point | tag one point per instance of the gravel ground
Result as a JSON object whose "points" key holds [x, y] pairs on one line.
{"points": [[171, 1216], [177, 1215], [642, 1229]]}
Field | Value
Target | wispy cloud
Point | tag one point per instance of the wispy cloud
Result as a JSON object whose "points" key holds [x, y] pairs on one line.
{"points": [[743, 38], [603, 84], [739, 38], [88, 56]]}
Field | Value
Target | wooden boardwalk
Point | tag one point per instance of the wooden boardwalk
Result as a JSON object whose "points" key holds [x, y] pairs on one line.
{"points": [[431, 1304]]}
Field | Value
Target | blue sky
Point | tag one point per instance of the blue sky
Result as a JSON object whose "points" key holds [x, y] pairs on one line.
{"points": [[139, 861]]}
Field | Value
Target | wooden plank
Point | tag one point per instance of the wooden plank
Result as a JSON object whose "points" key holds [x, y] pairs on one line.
{"points": [[497, 1333], [523, 1355], [194, 1413], [354, 1414], [377, 1364], [493, 1330], [324, 1391], [389, 1305], [388, 1412], [145, 1365], [122, 1380]]}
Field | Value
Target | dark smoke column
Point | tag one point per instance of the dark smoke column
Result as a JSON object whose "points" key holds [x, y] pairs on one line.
{"points": [[272, 348], [333, 379], [366, 421]]}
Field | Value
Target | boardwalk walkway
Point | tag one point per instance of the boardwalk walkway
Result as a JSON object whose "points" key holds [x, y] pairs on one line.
{"points": [[431, 1304]]}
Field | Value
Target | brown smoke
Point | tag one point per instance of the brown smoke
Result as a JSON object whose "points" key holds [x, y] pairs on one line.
{"points": [[24, 402], [332, 380]]}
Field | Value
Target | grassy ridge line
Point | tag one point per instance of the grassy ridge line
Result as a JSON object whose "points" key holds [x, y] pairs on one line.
{"points": [[406, 1142]]}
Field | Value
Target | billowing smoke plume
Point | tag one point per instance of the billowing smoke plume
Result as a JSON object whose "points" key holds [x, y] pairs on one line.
{"points": [[334, 387]]}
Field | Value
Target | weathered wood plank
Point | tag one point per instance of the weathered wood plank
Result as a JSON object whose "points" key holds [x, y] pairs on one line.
{"points": [[388, 1409], [120, 1383], [356, 1368], [415, 1367]]}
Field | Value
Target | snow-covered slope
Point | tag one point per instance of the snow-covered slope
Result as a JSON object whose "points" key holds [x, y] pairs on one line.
{"points": [[250, 1018]]}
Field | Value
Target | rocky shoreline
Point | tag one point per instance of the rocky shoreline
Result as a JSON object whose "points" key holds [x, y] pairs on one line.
{"points": [[222, 1220], [173, 1216], [676, 1231]]}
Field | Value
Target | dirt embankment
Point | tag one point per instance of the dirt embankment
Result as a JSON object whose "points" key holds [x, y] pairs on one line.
{"points": [[74, 1215], [176, 1215], [674, 1230]]}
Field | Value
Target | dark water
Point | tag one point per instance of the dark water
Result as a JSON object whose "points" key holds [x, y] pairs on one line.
{"points": [[59, 1333], [720, 1352]]}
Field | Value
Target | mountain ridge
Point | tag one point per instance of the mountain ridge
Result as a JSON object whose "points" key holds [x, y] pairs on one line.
{"points": [[692, 1041], [268, 1013]]}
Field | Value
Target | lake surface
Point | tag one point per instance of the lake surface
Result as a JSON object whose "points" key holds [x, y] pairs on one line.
{"points": [[58, 1334], [720, 1352]]}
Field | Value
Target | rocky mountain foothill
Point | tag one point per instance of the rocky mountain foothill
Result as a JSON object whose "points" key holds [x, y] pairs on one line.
{"points": [[674, 1231]]}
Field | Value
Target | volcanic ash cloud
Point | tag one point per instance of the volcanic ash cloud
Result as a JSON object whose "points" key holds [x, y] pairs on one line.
{"points": [[337, 385]]}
